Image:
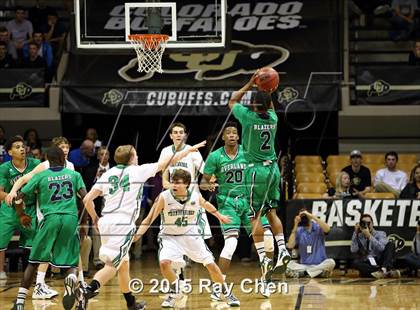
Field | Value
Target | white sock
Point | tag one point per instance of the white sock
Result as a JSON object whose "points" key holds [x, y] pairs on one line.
{"points": [[40, 277], [224, 277], [81, 277], [73, 277], [21, 295], [280, 241], [259, 246]]}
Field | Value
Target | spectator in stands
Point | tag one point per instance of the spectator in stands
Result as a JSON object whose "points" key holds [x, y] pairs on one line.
{"points": [[44, 48], [376, 253], [5, 37], [38, 14], [103, 166], [414, 58], [412, 189], [308, 235], [403, 19], [6, 61], [390, 179], [32, 139], [2, 143], [33, 60], [81, 157], [37, 153], [360, 178], [54, 30], [92, 135], [20, 29], [343, 188]]}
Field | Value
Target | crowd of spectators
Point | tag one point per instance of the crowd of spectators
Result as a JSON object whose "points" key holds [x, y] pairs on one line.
{"points": [[32, 39]]}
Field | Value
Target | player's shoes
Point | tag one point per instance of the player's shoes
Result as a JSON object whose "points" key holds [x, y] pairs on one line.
{"points": [[171, 300], [264, 289], [266, 268], [42, 291], [215, 296], [69, 297], [82, 301], [89, 293], [232, 300], [18, 306], [282, 261], [138, 305]]}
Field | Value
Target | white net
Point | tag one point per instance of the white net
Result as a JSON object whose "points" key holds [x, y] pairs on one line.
{"points": [[149, 50]]}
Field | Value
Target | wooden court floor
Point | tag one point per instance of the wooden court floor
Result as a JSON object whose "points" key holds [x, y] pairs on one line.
{"points": [[338, 292]]}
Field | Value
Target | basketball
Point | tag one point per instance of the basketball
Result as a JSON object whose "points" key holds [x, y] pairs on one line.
{"points": [[267, 79]]}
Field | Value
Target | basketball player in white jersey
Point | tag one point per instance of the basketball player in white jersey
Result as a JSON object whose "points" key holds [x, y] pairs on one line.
{"points": [[194, 164], [122, 188], [42, 290], [179, 235]]}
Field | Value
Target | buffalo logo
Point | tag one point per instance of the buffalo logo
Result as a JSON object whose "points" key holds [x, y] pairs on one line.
{"points": [[397, 240], [379, 88], [288, 95], [21, 91], [112, 97], [243, 58]]}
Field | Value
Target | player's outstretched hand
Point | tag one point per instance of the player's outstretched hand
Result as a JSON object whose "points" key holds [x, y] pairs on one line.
{"points": [[25, 220], [9, 198], [195, 147], [224, 219], [213, 186]]}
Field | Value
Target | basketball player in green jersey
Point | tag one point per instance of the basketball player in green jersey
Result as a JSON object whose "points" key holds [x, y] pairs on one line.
{"points": [[57, 239], [227, 165], [10, 173], [262, 176]]}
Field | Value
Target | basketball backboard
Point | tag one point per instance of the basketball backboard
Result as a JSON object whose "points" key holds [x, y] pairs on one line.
{"points": [[190, 24]]}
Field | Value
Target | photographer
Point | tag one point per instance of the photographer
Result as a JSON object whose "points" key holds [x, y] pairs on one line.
{"points": [[308, 234], [377, 254]]}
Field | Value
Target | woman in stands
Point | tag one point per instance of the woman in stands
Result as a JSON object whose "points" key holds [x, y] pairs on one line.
{"points": [[343, 188]]}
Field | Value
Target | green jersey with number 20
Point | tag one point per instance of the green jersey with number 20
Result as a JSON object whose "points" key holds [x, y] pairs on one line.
{"points": [[258, 133]]}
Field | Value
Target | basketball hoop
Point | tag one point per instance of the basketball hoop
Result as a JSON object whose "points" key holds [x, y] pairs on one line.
{"points": [[149, 49]]}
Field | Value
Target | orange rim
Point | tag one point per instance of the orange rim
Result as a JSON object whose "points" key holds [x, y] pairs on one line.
{"points": [[149, 41]]}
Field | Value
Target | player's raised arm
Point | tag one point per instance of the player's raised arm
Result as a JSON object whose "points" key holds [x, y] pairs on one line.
{"points": [[208, 183], [156, 209], [237, 96], [212, 209], [165, 179], [170, 160], [21, 182]]}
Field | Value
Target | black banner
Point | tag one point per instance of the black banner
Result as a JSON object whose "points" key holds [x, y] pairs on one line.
{"points": [[398, 218], [133, 101], [381, 85], [299, 39], [22, 88]]}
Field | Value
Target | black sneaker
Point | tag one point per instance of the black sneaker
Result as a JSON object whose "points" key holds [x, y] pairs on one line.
{"points": [[69, 297], [138, 305], [82, 301]]}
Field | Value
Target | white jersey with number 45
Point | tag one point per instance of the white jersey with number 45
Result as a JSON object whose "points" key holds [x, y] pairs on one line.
{"points": [[122, 188], [180, 218]]}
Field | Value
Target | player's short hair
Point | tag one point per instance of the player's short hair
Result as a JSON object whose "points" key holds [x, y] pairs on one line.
{"points": [[231, 124], [178, 125], [392, 153], [262, 100], [9, 143], [55, 156], [57, 141], [123, 154], [181, 174]]}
